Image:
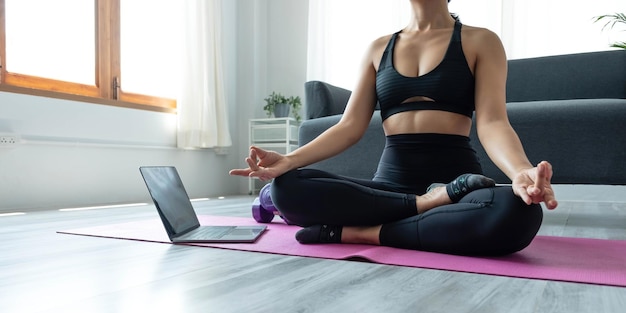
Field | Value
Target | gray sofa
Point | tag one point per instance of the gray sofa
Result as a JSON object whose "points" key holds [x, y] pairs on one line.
{"points": [[567, 109]]}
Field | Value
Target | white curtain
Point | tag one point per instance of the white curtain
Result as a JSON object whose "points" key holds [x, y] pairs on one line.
{"points": [[202, 111], [339, 31], [533, 28]]}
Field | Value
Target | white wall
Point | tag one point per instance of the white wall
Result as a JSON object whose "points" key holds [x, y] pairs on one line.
{"points": [[77, 154], [80, 154], [271, 56]]}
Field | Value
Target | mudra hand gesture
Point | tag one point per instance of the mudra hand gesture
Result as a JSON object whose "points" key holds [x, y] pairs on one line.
{"points": [[533, 185], [263, 164]]}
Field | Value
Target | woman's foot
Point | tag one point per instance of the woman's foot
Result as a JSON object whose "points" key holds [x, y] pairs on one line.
{"points": [[319, 234], [463, 185]]}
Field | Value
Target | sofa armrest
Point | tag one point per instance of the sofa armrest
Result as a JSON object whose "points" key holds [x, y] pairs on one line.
{"points": [[323, 99]]}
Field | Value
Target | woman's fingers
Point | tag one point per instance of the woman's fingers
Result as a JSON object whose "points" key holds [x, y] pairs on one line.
{"points": [[522, 192], [538, 187], [240, 172], [540, 178], [252, 164], [542, 190], [550, 199]]}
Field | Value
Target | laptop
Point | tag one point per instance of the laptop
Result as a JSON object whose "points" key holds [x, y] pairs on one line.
{"points": [[178, 215]]}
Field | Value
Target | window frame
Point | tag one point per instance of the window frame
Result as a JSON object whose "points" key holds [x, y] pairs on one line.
{"points": [[107, 88]]}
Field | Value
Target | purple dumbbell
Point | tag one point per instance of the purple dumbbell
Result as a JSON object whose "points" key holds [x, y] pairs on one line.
{"points": [[263, 209]]}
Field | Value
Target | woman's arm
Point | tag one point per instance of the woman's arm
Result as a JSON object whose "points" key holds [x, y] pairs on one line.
{"points": [[353, 124], [496, 135], [492, 124]]}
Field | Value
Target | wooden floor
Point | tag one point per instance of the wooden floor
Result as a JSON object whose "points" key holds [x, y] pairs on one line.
{"points": [[42, 271]]}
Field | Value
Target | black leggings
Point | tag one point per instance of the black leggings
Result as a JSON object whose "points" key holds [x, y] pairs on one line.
{"points": [[490, 221]]}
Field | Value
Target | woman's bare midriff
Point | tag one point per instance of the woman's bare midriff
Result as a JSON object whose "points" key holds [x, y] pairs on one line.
{"points": [[427, 121]]}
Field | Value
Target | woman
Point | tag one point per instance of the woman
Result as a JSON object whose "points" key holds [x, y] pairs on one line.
{"points": [[429, 78]]}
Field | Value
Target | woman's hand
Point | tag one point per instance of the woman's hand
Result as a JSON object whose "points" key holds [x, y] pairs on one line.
{"points": [[263, 164], [533, 185]]}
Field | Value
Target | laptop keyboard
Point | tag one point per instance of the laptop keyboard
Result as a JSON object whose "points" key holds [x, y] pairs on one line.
{"points": [[209, 232]]}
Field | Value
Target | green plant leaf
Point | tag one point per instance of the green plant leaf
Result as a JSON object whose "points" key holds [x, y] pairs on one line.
{"points": [[611, 21], [621, 45]]}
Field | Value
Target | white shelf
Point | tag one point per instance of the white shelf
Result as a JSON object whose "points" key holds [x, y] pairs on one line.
{"points": [[276, 134]]}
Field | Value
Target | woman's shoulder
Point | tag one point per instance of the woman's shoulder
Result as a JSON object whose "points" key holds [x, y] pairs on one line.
{"points": [[479, 41], [381, 41], [377, 47], [479, 35]]}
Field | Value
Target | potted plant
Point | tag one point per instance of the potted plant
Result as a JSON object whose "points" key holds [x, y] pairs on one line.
{"points": [[280, 105], [613, 19]]}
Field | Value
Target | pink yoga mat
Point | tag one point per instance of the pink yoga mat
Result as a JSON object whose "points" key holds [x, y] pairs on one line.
{"points": [[581, 260]]}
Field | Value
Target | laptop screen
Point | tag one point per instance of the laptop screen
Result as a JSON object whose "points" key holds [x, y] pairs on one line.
{"points": [[170, 198]]}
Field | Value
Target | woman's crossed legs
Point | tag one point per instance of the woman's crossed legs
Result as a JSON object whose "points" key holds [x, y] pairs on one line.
{"points": [[339, 209]]}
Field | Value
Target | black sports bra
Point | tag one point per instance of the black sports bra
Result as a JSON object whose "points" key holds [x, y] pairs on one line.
{"points": [[450, 84]]}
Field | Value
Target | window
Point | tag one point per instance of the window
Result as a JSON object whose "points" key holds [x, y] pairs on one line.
{"points": [[89, 49]]}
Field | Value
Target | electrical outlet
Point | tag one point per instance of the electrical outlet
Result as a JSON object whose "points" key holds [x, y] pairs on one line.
{"points": [[9, 140]]}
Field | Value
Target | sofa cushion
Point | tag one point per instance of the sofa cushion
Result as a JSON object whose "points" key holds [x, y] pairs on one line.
{"points": [[583, 139], [572, 76]]}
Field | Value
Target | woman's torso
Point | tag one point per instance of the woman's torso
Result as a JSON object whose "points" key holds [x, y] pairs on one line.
{"points": [[425, 87], [425, 82]]}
